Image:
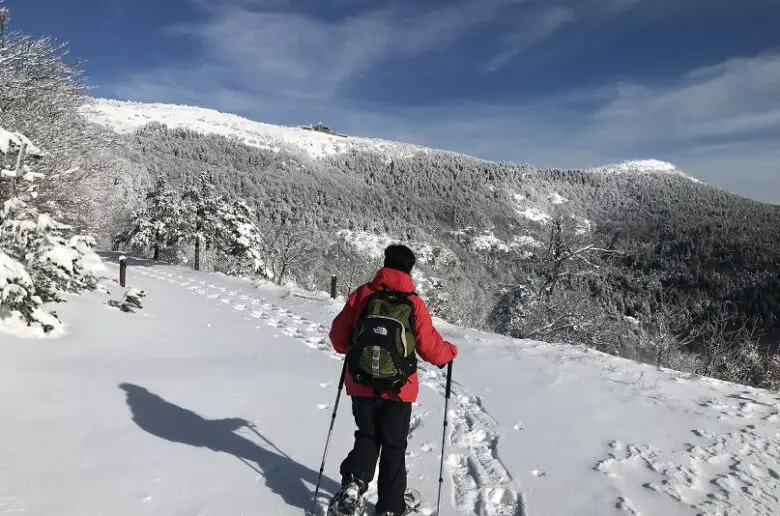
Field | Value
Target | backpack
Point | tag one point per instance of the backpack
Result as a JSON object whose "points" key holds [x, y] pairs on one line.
{"points": [[382, 353]]}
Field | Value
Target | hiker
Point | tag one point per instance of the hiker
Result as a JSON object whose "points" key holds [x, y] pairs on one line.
{"points": [[382, 380]]}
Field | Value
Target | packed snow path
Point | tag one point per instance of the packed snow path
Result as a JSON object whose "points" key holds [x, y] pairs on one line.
{"points": [[215, 398], [481, 483]]}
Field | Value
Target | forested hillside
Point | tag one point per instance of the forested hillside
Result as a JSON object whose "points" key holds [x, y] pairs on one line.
{"points": [[646, 265]]}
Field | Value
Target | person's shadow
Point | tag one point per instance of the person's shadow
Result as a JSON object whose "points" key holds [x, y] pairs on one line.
{"points": [[283, 475]]}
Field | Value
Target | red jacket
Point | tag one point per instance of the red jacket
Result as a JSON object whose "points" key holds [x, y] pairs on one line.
{"points": [[431, 347]]}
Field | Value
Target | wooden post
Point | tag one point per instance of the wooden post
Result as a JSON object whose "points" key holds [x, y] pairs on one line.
{"points": [[122, 271], [333, 287]]}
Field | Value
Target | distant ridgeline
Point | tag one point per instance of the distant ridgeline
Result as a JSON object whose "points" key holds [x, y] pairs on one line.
{"points": [[655, 243]]}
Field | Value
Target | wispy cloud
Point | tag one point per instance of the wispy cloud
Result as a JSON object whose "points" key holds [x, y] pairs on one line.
{"points": [[532, 30], [273, 48], [734, 99]]}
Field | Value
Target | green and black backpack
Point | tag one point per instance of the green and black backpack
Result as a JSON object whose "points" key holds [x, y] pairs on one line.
{"points": [[382, 354]]}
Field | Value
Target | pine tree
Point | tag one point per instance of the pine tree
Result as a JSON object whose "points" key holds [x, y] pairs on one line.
{"points": [[237, 237], [203, 202], [165, 223]]}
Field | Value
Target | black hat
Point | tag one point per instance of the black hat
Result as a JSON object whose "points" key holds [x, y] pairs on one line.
{"points": [[399, 257]]}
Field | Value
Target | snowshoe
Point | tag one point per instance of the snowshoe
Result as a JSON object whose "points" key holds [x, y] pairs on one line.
{"points": [[348, 501], [413, 501]]}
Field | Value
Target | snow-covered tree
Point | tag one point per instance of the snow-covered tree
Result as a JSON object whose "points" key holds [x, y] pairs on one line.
{"points": [[204, 212], [42, 96], [238, 237], [41, 258], [553, 295], [197, 215], [165, 222], [288, 247], [41, 91]]}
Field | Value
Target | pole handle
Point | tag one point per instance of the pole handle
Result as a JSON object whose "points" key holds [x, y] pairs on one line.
{"points": [[343, 374], [449, 380]]}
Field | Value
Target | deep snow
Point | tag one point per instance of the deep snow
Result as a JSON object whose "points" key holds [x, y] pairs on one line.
{"points": [[142, 413]]}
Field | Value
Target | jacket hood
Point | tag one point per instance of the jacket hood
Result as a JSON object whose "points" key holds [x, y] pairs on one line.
{"points": [[392, 279]]}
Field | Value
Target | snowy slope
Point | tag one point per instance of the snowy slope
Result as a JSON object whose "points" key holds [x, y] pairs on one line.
{"points": [[646, 166], [124, 117], [136, 414]]}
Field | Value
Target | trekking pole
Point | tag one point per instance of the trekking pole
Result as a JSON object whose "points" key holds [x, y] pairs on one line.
{"points": [[330, 431], [444, 434]]}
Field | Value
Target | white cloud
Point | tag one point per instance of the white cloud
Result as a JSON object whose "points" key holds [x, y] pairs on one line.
{"points": [[732, 99]]}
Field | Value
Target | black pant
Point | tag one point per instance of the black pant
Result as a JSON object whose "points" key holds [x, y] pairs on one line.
{"points": [[383, 430]]}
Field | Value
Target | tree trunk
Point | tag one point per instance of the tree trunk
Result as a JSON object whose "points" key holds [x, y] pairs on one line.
{"points": [[157, 245], [197, 252]]}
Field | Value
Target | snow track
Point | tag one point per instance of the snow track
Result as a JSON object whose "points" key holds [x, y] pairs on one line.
{"points": [[481, 483], [731, 473]]}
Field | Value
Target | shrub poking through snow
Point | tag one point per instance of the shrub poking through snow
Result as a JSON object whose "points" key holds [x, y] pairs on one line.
{"points": [[130, 302]]}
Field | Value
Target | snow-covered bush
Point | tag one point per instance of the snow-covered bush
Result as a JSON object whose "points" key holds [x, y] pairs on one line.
{"points": [[41, 258], [130, 301]]}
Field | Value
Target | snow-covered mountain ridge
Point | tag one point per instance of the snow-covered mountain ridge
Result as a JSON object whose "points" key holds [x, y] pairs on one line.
{"points": [[126, 117], [643, 166]]}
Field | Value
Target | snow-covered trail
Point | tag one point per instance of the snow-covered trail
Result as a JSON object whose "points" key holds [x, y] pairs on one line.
{"points": [[481, 484], [141, 414]]}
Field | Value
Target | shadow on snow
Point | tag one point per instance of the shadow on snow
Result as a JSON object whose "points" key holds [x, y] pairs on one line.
{"points": [[283, 475]]}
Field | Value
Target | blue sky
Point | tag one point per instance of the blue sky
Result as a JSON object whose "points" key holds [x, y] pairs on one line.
{"points": [[556, 83]]}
